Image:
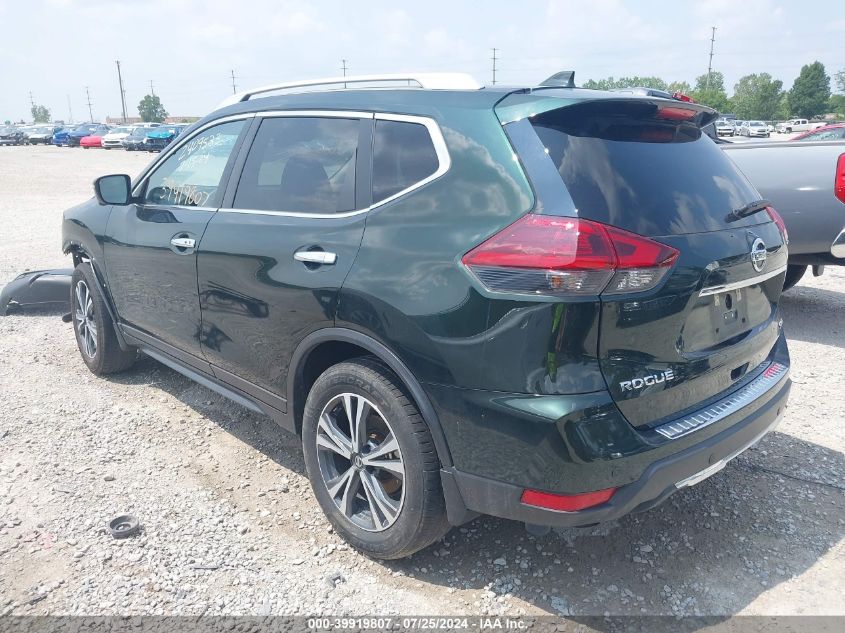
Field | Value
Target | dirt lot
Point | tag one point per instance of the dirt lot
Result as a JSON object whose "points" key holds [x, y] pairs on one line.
{"points": [[230, 525]]}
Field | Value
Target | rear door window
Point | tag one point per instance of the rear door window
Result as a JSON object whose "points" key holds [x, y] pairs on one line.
{"points": [[644, 175], [403, 155], [301, 165]]}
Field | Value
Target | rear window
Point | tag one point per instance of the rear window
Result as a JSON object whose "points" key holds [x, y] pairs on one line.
{"points": [[641, 174], [302, 165]]}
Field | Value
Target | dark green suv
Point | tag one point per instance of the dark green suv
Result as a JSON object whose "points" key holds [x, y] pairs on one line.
{"points": [[547, 304]]}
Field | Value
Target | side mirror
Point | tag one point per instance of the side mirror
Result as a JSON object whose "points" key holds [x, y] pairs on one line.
{"points": [[113, 189]]}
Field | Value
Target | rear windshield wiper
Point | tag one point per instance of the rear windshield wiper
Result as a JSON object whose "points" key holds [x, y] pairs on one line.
{"points": [[748, 209]]}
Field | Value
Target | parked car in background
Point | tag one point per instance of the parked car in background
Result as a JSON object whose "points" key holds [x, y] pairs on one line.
{"points": [[832, 132], [754, 129], [134, 141], [600, 330], [60, 136], [42, 134], [798, 125], [93, 140], [160, 137], [114, 137], [12, 136], [805, 180], [81, 131], [725, 128]]}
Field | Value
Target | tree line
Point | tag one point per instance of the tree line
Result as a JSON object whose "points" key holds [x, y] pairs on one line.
{"points": [[149, 108], [755, 96]]}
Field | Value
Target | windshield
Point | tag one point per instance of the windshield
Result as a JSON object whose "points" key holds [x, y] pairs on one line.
{"points": [[85, 128], [121, 130], [757, 123]]}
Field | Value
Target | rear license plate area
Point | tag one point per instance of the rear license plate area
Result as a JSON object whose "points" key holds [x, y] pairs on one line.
{"points": [[729, 313]]}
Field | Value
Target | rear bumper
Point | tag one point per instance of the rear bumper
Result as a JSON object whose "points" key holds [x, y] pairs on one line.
{"points": [[837, 249], [644, 475]]}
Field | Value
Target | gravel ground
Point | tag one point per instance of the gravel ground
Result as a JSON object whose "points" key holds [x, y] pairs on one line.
{"points": [[230, 526]]}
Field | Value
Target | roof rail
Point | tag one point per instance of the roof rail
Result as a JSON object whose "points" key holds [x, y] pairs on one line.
{"points": [[432, 81]]}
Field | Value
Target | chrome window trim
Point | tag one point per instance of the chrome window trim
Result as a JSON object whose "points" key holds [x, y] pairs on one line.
{"points": [[714, 290], [173, 147], [765, 382], [444, 160]]}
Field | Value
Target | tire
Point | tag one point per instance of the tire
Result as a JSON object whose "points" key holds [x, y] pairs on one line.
{"points": [[410, 510], [794, 272], [93, 326]]}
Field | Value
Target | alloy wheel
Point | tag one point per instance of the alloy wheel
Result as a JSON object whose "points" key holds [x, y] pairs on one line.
{"points": [[360, 462], [85, 322]]}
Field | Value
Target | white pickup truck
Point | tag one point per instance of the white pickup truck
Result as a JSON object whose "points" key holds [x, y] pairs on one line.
{"points": [[798, 125]]}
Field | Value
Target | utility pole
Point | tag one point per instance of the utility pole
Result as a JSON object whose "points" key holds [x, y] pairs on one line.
{"points": [[69, 110], [122, 91], [710, 63], [31, 99], [152, 90], [90, 112], [344, 68], [494, 65], [234, 88]]}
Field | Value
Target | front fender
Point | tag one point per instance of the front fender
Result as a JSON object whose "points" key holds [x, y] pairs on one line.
{"points": [[84, 228]]}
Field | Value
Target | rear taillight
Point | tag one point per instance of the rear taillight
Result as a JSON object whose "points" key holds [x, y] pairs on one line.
{"points": [[780, 223], [839, 182], [549, 255]]}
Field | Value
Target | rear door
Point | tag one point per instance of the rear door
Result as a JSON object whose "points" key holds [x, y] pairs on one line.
{"points": [[713, 321], [272, 261], [151, 247]]}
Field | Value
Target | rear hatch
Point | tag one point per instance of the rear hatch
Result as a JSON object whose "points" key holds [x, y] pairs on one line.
{"points": [[710, 323]]}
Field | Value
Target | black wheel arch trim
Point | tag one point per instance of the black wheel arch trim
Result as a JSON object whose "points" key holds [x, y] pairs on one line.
{"points": [[344, 335]]}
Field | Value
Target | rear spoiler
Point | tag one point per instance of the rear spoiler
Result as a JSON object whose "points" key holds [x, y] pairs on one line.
{"points": [[523, 104]]}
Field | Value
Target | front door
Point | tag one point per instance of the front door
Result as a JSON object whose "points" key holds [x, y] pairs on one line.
{"points": [[273, 259], [151, 245]]}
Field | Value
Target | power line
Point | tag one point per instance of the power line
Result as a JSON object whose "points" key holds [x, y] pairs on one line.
{"points": [[234, 88], [90, 112], [494, 65], [122, 91], [152, 90], [710, 63]]}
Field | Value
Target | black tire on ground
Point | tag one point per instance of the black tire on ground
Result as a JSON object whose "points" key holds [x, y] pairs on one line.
{"points": [[98, 345], [794, 272], [421, 518]]}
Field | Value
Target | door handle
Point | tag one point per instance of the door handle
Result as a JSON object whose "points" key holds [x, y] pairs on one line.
{"points": [[183, 242], [315, 257]]}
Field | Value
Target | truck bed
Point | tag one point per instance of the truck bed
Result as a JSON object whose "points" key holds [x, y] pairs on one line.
{"points": [[798, 177]]}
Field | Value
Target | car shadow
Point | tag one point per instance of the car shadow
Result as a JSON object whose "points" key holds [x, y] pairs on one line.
{"points": [[814, 315], [710, 550]]}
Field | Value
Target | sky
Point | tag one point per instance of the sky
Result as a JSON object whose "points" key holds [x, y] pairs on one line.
{"points": [[189, 48]]}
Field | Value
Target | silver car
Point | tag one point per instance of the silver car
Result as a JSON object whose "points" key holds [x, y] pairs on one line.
{"points": [[725, 128], [754, 128]]}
